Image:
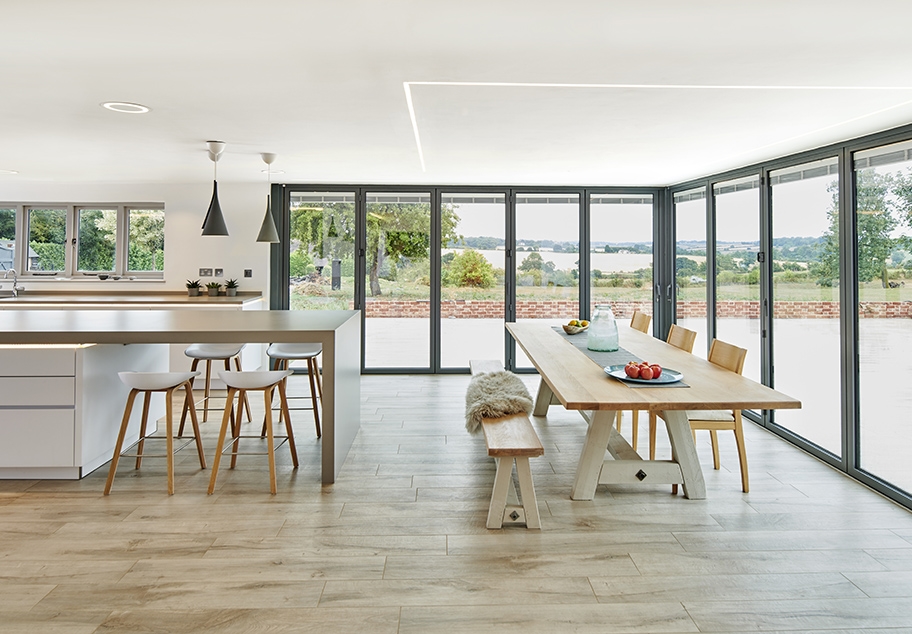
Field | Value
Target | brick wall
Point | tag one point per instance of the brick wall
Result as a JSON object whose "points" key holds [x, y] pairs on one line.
{"points": [[567, 309]]}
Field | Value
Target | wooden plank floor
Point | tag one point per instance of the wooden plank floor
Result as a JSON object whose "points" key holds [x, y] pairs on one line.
{"points": [[398, 545]]}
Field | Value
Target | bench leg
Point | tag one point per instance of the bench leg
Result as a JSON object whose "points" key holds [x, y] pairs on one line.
{"points": [[502, 482], [527, 491]]}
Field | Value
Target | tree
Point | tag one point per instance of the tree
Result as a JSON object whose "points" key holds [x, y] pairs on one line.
{"points": [[470, 268], [876, 200], [396, 232]]}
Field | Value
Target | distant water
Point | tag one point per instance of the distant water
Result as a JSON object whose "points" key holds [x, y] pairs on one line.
{"points": [[620, 262]]}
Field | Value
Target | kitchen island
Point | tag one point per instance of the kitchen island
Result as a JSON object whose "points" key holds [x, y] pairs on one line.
{"points": [[23, 332]]}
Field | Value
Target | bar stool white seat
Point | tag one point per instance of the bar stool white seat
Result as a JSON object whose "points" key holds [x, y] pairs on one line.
{"points": [[285, 353], [210, 352], [239, 383], [147, 383]]}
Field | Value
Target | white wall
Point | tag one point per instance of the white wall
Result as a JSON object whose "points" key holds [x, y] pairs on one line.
{"points": [[186, 251]]}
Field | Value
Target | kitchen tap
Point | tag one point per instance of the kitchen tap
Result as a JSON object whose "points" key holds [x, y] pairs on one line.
{"points": [[16, 286]]}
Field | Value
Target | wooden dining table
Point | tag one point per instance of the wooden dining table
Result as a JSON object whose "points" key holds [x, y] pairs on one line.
{"points": [[569, 377]]}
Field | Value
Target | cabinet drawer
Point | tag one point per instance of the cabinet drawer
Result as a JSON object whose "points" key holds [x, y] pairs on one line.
{"points": [[45, 391], [37, 361], [37, 437]]}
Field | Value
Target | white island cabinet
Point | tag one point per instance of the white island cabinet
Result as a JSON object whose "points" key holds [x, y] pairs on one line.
{"points": [[60, 406]]}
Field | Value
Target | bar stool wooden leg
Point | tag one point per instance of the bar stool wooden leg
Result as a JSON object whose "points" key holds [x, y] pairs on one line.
{"points": [[283, 398], [194, 421], [237, 365], [236, 425], [318, 379], [270, 441], [311, 373], [118, 447], [147, 397], [221, 442], [180, 431], [206, 392], [169, 439]]}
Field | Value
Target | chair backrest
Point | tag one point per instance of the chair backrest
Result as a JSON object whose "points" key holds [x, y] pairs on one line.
{"points": [[727, 356], [640, 321], [682, 338]]}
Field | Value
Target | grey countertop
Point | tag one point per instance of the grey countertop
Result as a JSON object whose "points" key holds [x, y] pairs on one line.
{"points": [[78, 298]]}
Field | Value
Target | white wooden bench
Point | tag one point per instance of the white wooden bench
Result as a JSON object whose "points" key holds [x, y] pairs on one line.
{"points": [[510, 440]]}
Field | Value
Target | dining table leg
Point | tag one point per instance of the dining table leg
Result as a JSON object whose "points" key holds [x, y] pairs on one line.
{"points": [[593, 455], [684, 452], [543, 399]]}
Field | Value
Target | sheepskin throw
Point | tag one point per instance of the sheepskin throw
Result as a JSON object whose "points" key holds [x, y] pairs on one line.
{"points": [[495, 394]]}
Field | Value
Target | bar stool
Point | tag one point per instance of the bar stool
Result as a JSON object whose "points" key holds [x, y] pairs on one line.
{"points": [[285, 353], [210, 352], [239, 383], [147, 383]]}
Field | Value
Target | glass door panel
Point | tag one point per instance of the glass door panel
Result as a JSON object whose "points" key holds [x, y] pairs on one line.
{"points": [[737, 270], [690, 264], [883, 204], [397, 280], [321, 253], [472, 278], [547, 260], [321, 262], [620, 253], [805, 296]]}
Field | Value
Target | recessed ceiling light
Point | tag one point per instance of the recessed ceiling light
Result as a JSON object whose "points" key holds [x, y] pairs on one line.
{"points": [[125, 106], [269, 171], [8, 172]]}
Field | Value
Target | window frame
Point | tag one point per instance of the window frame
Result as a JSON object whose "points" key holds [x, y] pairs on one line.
{"points": [[71, 251]]}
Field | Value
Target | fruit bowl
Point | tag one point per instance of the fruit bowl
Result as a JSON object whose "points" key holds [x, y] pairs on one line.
{"points": [[574, 330]]}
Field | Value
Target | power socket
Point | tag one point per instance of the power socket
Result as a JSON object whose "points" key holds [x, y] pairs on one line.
{"points": [[248, 272], [205, 273]]}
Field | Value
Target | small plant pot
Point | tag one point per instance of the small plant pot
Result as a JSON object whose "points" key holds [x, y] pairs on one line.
{"points": [[231, 292], [193, 292], [213, 292]]}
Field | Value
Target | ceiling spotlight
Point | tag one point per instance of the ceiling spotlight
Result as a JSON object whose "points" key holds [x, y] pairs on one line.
{"points": [[125, 106], [8, 172]]}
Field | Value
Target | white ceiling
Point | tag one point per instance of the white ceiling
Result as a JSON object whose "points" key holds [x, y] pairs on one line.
{"points": [[502, 91]]}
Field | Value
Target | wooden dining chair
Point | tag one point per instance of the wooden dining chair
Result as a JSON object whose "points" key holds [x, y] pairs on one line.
{"points": [[639, 321], [730, 357], [681, 338]]}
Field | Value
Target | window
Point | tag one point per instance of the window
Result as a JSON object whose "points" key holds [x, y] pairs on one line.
{"points": [[66, 240], [7, 238]]}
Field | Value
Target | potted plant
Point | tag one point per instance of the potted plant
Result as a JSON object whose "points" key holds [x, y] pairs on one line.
{"points": [[193, 288], [231, 287], [213, 288]]}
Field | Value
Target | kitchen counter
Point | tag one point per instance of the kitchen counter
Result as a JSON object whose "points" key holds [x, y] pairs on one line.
{"points": [[23, 332], [126, 298]]}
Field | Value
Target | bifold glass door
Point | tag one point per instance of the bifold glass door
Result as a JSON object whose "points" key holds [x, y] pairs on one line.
{"points": [[883, 228], [472, 277], [805, 299], [547, 260], [691, 307], [737, 280], [397, 280], [621, 253]]}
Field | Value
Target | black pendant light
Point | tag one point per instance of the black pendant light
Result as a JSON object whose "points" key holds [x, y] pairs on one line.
{"points": [[214, 224], [268, 232]]}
